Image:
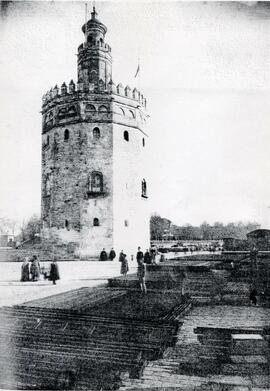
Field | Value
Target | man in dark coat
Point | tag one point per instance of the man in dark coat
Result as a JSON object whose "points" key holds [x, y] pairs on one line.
{"points": [[139, 255], [147, 257], [54, 272], [103, 255], [112, 254]]}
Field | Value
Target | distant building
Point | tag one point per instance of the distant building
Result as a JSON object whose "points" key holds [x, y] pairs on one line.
{"points": [[94, 146]]}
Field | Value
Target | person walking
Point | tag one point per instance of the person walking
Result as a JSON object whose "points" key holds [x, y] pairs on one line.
{"points": [[54, 272], [141, 276], [112, 255], [139, 255], [124, 265], [103, 255], [35, 269], [25, 271]]}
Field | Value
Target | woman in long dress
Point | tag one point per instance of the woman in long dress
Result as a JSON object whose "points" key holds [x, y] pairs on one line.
{"points": [[25, 272], [124, 265], [54, 272]]}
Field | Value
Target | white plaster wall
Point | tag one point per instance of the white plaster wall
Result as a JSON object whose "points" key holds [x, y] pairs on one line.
{"points": [[129, 167]]}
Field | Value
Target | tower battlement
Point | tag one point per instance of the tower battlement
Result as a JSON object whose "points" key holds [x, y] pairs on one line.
{"points": [[56, 95], [74, 104]]}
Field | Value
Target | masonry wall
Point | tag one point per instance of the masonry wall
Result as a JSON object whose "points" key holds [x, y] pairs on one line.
{"points": [[69, 164]]}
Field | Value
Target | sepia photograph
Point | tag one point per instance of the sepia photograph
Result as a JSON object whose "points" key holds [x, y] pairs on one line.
{"points": [[134, 195]]}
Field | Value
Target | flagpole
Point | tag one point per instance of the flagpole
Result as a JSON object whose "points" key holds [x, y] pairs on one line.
{"points": [[85, 31]]}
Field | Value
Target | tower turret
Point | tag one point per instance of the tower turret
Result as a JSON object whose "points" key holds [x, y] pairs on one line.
{"points": [[94, 55]]}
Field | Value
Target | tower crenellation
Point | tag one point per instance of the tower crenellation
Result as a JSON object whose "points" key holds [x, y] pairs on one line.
{"points": [[72, 89], [93, 152]]}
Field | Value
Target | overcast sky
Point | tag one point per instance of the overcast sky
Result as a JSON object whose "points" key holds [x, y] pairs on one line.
{"points": [[205, 73]]}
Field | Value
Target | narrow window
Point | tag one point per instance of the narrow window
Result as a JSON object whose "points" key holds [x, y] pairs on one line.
{"points": [[126, 135], [48, 140], [67, 224], [126, 223], [96, 222], [48, 186], [143, 142], [144, 188], [66, 135], [96, 133]]}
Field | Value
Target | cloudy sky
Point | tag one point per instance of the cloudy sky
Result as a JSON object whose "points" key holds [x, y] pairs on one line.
{"points": [[205, 72]]}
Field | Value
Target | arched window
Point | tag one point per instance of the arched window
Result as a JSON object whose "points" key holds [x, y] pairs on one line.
{"points": [[49, 118], [96, 222], [90, 109], [48, 140], [96, 182], [66, 135], [103, 109], [126, 135], [71, 111], [67, 224], [93, 76], [144, 188], [48, 186], [96, 133], [131, 114], [143, 142], [119, 111]]}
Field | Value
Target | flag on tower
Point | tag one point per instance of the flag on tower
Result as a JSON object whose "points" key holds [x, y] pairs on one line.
{"points": [[138, 70]]}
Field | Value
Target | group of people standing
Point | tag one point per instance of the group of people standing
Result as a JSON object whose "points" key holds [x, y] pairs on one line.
{"points": [[148, 257], [31, 270], [142, 259]]}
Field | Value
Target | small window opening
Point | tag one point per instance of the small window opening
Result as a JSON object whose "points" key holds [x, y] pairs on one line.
{"points": [[96, 222], [126, 135], [66, 135], [144, 188], [96, 133], [48, 140], [126, 223], [67, 224], [143, 142]]}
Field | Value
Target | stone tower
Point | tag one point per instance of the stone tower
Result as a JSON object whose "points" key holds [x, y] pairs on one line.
{"points": [[94, 146]]}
